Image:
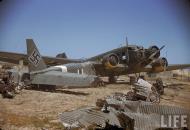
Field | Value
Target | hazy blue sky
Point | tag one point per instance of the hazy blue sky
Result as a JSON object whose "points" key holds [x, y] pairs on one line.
{"points": [[84, 28]]}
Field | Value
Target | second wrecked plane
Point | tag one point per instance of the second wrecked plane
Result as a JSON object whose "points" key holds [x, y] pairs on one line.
{"points": [[68, 72]]}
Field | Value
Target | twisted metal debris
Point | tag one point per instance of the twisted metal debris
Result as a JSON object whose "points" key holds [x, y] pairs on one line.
{"points": [[120, 113], [8, 88]]}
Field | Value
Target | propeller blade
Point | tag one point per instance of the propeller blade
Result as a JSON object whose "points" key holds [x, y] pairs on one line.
{"points": [[151, 57]]}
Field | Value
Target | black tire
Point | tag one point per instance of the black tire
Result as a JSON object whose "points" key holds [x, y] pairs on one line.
{"points": [[154, 49], [112, 79]]}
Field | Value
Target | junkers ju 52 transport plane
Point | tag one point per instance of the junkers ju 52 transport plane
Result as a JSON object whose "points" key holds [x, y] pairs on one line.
{"points": [[59, 75], [61, 70]]}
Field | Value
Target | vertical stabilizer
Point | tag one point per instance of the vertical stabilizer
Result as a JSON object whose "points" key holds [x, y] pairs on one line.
{"points": [[35, 61]]}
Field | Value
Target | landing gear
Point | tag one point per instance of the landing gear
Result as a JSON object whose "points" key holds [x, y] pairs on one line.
{"points": [[98, 82], [112, 79], [43, 87], [159, 86]]}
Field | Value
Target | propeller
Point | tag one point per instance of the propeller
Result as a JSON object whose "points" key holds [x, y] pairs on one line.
{"points": [[165, 65], [152, 56]]}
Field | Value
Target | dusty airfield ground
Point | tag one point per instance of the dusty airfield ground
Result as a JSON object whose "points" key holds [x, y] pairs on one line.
{"points": [[35, 110]]}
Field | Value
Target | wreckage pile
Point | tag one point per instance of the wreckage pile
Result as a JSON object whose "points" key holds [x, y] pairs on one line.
{"points": [[117, 112], [8, 88], [139, 109]]}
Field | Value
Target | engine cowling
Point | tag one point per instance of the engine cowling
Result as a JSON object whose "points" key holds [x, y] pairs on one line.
{"points": [[160, 64], [153, 49], [110, 61], [61, 55]]}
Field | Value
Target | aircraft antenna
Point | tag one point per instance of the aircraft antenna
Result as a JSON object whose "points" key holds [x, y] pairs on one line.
{"points": [[127, 51]]}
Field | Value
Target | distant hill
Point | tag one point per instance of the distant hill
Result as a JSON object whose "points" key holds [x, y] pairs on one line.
{"points": [[177, 74], [184, 72]]}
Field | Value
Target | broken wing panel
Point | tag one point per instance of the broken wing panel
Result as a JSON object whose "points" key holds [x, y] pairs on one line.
{"points": [[88, 117], [11, 57], [168, 68], [136, 115], [117, 70], [64, 79], [178, 66]]}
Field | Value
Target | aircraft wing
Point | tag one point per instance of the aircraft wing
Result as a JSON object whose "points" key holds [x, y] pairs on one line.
{"points": [[177, 67], [168, 68], [64, 79], [14, 58], [123, 70]]}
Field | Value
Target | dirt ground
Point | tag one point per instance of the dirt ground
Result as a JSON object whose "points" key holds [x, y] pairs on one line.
{"points": [[37, 110]]}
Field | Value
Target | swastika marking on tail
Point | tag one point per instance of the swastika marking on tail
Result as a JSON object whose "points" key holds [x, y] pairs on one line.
{"points": [[35, 58]]}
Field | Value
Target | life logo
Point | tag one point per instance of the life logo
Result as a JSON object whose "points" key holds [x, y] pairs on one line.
{"points": [[35, 58]]}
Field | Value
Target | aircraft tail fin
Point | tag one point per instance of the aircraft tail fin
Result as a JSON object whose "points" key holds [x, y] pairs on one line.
{"points": [[35, 61]]}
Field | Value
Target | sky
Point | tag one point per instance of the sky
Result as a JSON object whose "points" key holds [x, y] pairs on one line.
{"points": [[85, 28]]}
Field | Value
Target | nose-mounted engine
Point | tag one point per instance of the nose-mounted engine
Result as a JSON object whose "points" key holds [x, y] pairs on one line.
{"points": [[154, 49], [61, 55], [110, 61], [160, 64]]}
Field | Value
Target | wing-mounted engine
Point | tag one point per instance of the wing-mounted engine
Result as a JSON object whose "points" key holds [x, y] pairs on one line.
{"points": [[160, 64], [110, 60], [155, 51], [61, 55]]}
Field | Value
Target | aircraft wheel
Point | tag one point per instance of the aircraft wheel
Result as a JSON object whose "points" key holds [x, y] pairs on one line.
{"points": [[112, 79], [101, 84]]}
